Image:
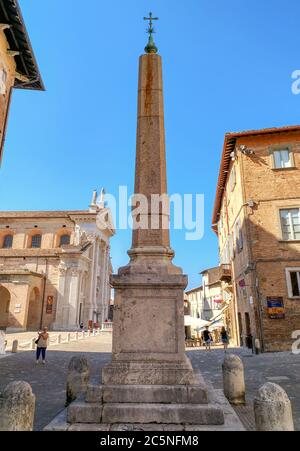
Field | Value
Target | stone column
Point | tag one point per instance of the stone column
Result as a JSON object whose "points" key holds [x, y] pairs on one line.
{"points": [[62, 270], [104, 269], [90, 305], [74, 297]]}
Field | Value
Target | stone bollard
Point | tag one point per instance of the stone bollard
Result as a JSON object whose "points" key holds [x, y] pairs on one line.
{"points": [[234, 380], [33, 345], [257, 346], [2, 342], [17, 407], [14, 348], [78, 378], [59, 339], [68, 338], [273, 409]]}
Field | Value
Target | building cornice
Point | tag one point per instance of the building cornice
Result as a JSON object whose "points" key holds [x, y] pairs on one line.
{"points": [[28, 75]]}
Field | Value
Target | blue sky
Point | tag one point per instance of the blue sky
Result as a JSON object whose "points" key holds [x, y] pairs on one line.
{"points": [[227, 67]]}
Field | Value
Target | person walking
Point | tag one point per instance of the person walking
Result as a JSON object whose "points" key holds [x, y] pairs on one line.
{"points": [[42, 344], [207, 338], [225, 338]]}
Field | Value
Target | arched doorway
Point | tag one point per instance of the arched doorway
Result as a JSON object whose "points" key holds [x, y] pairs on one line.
{"points": [[4, 307], [34, 310]]}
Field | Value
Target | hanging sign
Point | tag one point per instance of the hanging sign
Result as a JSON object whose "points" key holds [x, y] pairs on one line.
{"points": [[49, 306], [275, 308]]}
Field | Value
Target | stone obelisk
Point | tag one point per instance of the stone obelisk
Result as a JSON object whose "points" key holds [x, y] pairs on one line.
{"points": [[148, 335], [149, 380]]}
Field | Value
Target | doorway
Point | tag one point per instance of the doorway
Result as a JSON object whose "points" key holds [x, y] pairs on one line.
{"points": [[4, 307], [34, 310]]}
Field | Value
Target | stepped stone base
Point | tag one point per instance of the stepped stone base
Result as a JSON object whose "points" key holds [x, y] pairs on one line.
{"points": [[231, 422], [148, 404]]}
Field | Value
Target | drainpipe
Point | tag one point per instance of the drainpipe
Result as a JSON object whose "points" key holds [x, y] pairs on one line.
{"points": [[5, 125], [253, 272]]}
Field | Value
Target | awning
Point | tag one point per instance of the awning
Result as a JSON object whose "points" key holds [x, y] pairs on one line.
{"points": [[196, 323], [217, 325]]}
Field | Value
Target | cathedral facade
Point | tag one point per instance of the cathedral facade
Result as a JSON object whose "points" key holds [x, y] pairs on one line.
{"points": [[55, 268]]}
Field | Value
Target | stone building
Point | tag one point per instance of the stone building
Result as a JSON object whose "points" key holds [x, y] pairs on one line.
{"points": [[55, 268], [18, 67], [257, 220], [211, 302]]}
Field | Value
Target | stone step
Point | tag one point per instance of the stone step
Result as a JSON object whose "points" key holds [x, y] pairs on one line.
{"points": [[197, 414], [94, 394], [149, 394], [82, 412]]}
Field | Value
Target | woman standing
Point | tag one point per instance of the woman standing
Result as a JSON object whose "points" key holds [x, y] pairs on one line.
{"points": [[42, 344], [207, 338], [225, 339]]}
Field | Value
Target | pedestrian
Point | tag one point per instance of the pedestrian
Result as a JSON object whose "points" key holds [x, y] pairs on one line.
{"points": [[207, 338], [81, 325], [225, 338], [42, 344]]}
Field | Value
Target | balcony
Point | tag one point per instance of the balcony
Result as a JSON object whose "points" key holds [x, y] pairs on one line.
{"points": [[225, 273]]}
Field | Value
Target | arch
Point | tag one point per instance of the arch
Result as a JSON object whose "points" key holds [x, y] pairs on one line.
{"points": [[34, 310], [4, 306]]}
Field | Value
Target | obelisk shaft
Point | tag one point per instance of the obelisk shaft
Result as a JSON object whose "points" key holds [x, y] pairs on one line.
{"points": [[150, 173]]}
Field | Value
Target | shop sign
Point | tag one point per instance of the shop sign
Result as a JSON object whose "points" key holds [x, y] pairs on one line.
{"points": [[275, 308]]}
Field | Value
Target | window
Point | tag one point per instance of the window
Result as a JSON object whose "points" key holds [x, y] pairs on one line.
{"points": [[64, 240], [3, 79], [239, 237], [290, 224], [7, 242], [293, 282], [36, 241], [232, 179], [282, 159]]}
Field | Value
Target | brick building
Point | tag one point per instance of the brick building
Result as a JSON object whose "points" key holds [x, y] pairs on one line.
{"points": [[18, 67], [257, 220], [54, 268]]}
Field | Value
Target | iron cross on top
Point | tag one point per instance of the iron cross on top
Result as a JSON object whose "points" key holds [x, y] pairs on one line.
{"points": [[151, 18]]}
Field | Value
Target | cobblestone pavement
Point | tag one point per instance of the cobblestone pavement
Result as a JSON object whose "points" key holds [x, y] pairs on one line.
{"points": [[281, 368], [49, 382]]}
